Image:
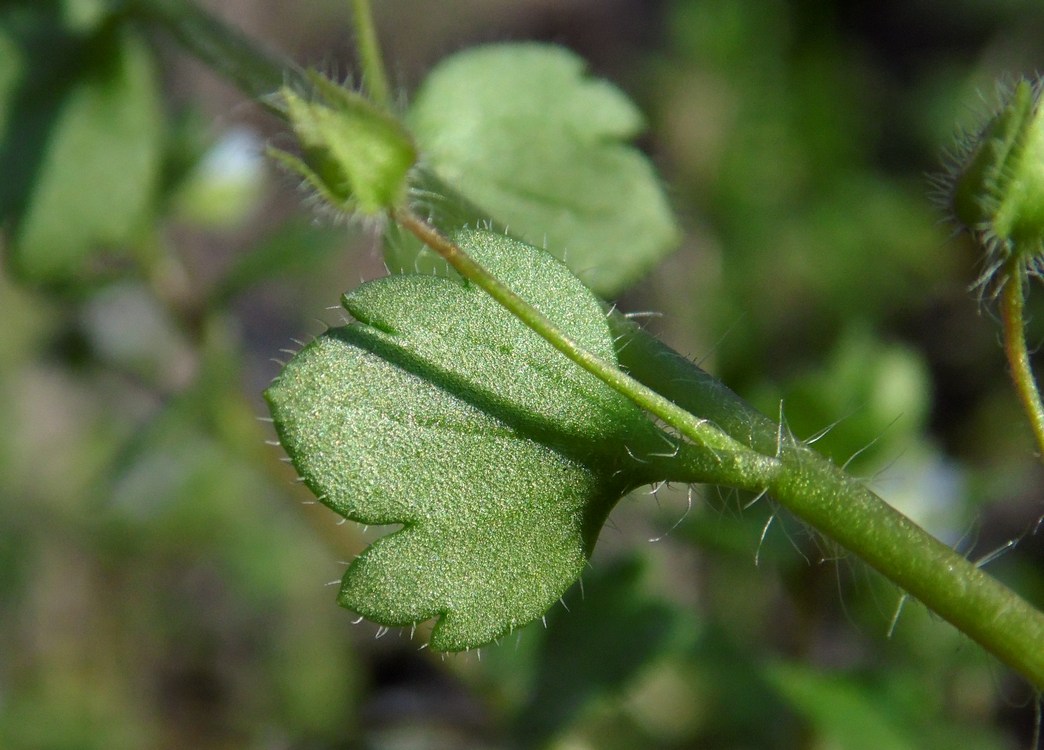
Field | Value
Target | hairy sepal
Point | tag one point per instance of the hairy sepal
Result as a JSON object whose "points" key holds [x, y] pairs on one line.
{"points": [[355, 155], [997, 188], [440, 411]]}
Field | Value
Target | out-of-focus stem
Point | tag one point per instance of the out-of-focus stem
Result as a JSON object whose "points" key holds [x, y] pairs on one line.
{"points": [[257, 72], [374, 76], [1012, 302]]}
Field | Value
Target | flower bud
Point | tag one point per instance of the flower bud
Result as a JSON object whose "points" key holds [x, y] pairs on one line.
{"points": [[355, 155], [998, 190]]}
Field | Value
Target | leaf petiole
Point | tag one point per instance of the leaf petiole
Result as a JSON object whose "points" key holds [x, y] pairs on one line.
{"points": [[807, 485], [723, 459]]}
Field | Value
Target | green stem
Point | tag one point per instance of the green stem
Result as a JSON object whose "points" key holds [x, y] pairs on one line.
{"points": [[803, 482], [256, 72], [1013, 297], [954, 588], [674, 376], [733, 463], [845, 511], [375, 78]]}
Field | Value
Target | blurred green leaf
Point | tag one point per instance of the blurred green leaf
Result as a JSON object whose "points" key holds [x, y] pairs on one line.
{"points": [[441, 411], [297, 247], [726, 675], [870, 400], [184, 504], [81, 150], [521, 132], [842, 714], [595, 648]]}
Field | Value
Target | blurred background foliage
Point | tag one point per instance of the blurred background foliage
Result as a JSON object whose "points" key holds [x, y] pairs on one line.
{"points": [[161, 574]]}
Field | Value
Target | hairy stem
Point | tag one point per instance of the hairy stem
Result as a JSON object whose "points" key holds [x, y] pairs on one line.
{"points": [[846, 512], [374, 76], [731, 430], [805, 483], [733, 463], [1012, 302], [950, 585]]}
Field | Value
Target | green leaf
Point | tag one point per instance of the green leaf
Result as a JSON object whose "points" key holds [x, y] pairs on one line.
{"points": [[81, 152], [521, 132], [439, 411], [596, 649], [841, 712]]}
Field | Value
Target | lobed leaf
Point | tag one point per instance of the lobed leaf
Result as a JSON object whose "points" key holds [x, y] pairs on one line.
{"points": [[440, 411], [522, 133]]}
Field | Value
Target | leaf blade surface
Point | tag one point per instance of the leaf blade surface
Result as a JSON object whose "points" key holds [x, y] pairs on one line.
{"points": [[440, 411]]}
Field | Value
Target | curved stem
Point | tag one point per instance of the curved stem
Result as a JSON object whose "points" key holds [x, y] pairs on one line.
{"points": [[846, 512], [1013, 297], [734, 463], [810, 487], [730, 430], [374, 76]]}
